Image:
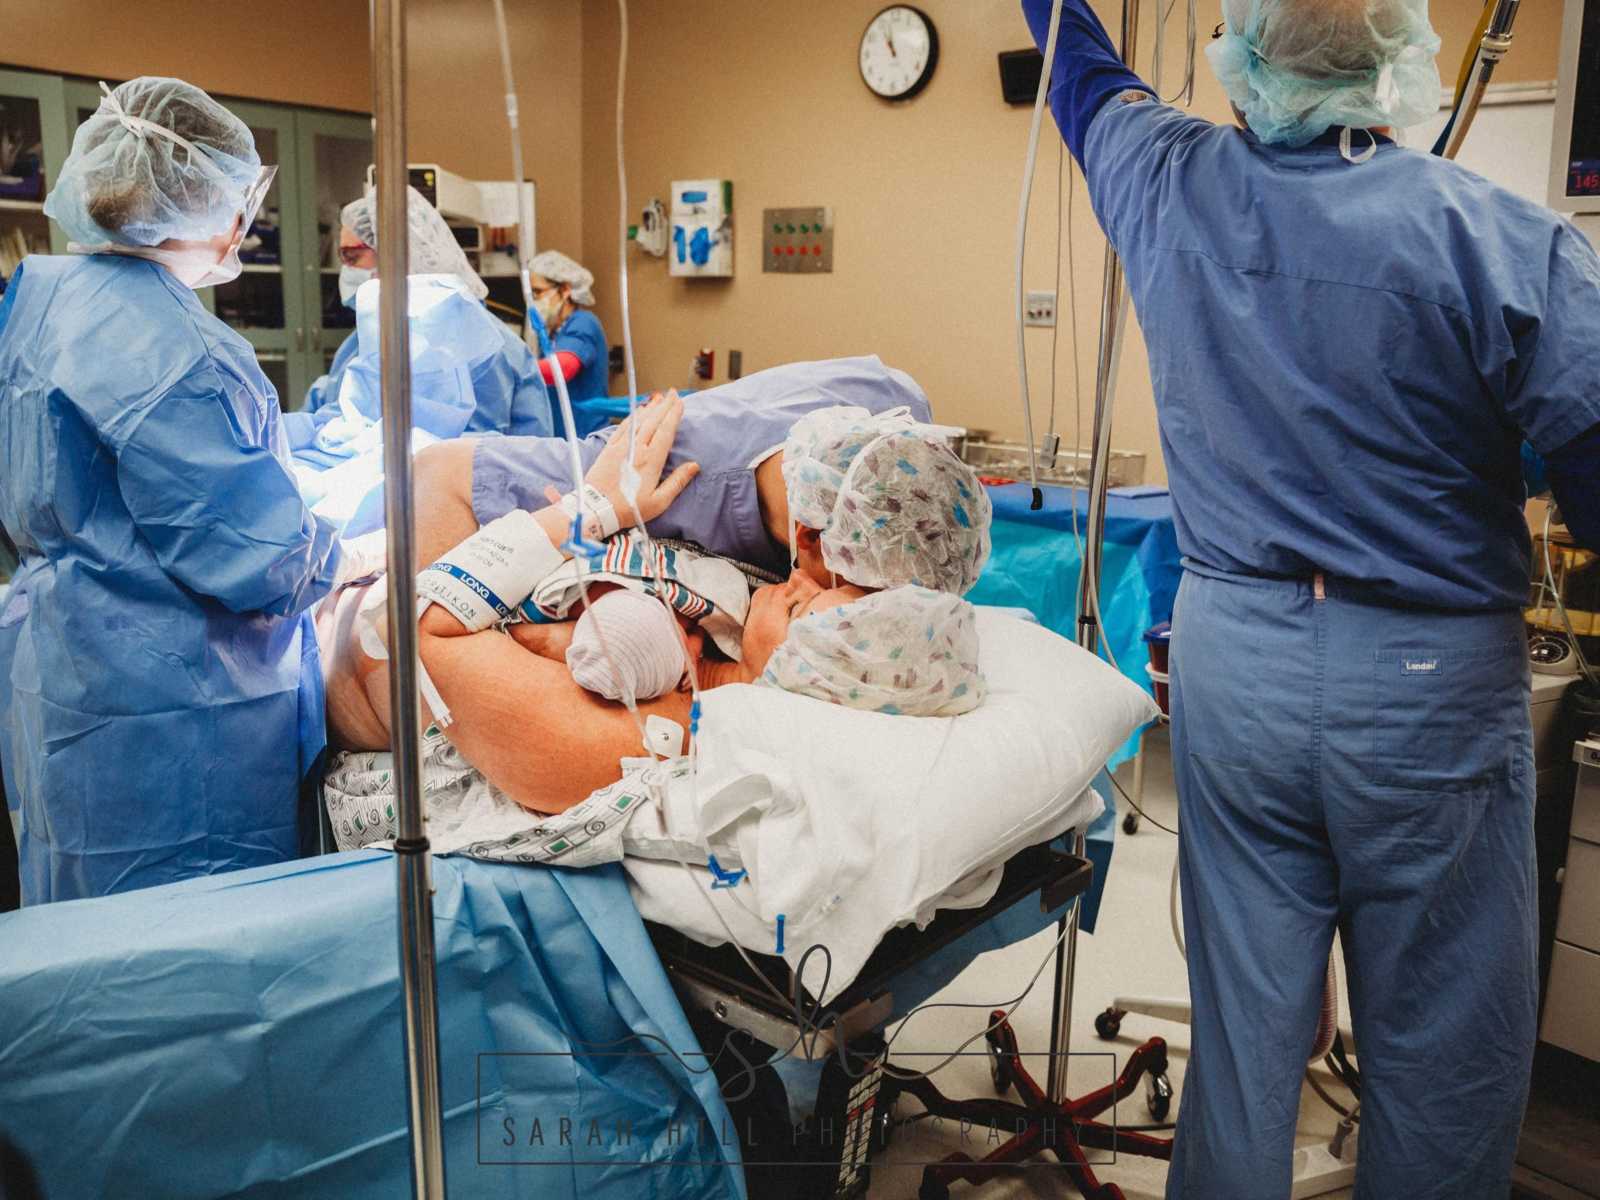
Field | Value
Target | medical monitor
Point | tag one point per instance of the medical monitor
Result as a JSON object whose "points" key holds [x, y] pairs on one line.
{"points": [[1575, 157]]}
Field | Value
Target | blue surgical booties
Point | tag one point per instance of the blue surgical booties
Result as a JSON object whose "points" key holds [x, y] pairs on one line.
{"points": [[166, 697]]}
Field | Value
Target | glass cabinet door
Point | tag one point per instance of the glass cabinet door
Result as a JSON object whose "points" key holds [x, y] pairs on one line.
{"points": [[334, 150], [33, 145]]}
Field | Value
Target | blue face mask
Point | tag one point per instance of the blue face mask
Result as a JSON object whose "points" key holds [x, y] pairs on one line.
{"points": [[350, 278]]}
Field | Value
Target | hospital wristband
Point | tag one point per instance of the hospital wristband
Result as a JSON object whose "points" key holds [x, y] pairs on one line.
{"points": [[600, 519], [482, 580]]}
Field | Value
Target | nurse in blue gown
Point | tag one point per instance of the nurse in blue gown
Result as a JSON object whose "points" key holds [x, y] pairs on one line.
{"points": [[165, 698]]}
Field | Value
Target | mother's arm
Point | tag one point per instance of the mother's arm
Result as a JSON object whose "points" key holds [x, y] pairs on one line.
{"points": [[521, 720]]}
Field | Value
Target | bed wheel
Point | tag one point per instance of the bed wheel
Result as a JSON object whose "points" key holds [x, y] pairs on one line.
{"points": [[1158, 1096], [1108, 1023], [1130, 823]]}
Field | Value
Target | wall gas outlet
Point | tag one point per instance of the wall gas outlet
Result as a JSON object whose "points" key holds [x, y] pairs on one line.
{"points": [[1039, 308]]}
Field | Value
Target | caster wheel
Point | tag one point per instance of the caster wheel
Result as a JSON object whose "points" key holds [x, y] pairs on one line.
{"points": [[999, 1066], [1130, 823], [1108, 1024], [1158, 1097], [933, 1189]]}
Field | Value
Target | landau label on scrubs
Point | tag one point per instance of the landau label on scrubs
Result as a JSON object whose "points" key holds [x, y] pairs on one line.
{"points": [[1421, 666]]}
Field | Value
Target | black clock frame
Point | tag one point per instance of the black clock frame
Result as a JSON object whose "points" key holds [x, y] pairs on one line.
{"points": [[927, 71]]}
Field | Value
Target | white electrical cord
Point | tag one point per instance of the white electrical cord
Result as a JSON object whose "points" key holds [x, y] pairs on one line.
{"points": [[1022, 245], [622, 211]]}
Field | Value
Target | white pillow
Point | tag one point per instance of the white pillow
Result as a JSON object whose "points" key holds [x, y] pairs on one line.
{"points": [[867, 819]]}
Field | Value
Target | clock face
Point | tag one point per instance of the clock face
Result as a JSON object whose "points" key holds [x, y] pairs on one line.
{"points": [[898, 52]]}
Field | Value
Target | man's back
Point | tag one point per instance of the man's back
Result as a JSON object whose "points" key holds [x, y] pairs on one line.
{"points": [[1347, 356]]}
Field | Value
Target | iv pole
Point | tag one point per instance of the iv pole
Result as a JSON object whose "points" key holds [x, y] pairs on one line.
{"points": [[1111, 307], [418, 980], [1494, 46]]}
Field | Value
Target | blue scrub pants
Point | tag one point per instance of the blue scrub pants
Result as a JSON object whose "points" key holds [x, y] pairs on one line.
{"points": [[1345, 765]]}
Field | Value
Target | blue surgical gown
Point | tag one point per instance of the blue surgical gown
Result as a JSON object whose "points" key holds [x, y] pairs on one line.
{"points": [[509, 390], [165, 691], [581, 335]]}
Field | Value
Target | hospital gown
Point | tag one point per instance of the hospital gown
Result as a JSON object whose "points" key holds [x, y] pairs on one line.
{"points": [[1346, 359]]}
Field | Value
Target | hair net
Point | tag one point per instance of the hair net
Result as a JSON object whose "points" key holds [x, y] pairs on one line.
{"points": [[1297, 68], [158, 159], [433, 249], [908, 651], [624, 647], [558, 268], [892, 501]]}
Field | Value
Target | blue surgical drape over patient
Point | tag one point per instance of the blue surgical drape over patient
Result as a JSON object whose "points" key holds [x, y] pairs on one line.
{"points": [[165, 693]]}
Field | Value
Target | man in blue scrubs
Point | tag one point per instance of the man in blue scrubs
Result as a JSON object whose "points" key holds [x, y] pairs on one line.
{"points": [[1349, 342]]}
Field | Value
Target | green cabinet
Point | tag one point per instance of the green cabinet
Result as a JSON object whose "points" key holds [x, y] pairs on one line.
{"points": [[286, 301]]}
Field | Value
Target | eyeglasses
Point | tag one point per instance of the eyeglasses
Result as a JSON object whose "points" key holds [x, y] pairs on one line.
{"points": [[254, 195], [351, 256], [539, 291]]}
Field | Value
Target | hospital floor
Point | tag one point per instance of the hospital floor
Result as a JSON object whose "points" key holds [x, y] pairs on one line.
{"points": [[1131, 952]]}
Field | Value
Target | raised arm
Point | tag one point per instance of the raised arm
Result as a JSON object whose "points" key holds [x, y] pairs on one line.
{"points": [[1087, 71]]}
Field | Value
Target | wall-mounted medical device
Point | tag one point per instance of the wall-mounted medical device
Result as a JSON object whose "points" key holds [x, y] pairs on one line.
{"points": [[651, 232], [701, 242], [797, 241], [1575, 157]]}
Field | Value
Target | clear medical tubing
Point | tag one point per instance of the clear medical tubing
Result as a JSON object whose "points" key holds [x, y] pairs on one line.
{"points": [[1112, 307], [418, 982], [524, 239], [1495, 45], [622, 212], [1022, 248]]}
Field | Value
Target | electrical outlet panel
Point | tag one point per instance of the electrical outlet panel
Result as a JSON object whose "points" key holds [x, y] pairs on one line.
{"points": [[1039, 308], [797, 241]]}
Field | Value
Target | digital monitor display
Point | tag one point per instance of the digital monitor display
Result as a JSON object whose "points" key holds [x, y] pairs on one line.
{"points": [[1583, 162]]}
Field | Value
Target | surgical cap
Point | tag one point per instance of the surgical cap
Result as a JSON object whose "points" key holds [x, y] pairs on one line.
{"points": [[1297, 68], [558, 268], [433, 248], [907, 651], [158, 159], [892, 501]]}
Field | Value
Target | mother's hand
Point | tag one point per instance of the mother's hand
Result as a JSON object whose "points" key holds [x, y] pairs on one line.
{"points": [[654, 429]]}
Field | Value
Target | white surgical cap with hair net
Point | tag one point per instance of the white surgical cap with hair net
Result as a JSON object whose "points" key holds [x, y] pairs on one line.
{"points": [[907, 651], [558, 268], [892, 501], [1297, 68], [128, 183], [433, 249]]}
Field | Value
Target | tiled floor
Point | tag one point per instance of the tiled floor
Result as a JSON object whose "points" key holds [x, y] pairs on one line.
{"points": [[1132, 951]]}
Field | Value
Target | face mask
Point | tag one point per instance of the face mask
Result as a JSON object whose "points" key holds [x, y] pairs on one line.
{"points": [[193, 266], [351, 278], [550, 305]]}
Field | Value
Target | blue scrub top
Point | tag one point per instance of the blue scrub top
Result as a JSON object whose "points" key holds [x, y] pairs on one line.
{"points": [[1347, 357], [581, 334]]}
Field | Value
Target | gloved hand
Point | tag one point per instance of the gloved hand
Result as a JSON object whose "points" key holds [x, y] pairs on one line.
{"points": [[361, 558]]}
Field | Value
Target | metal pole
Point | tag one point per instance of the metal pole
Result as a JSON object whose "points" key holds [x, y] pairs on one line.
{"points": [[1495, 45], [418, 982], [1088, 628]]}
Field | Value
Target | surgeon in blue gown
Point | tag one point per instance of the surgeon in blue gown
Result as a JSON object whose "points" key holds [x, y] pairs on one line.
{"points": [[509, 395], [1349, 342], [162, 677]]}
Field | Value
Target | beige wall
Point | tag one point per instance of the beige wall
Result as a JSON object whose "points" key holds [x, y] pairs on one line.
{"points": [[924, 193], [924, 196], [315, 52]]}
